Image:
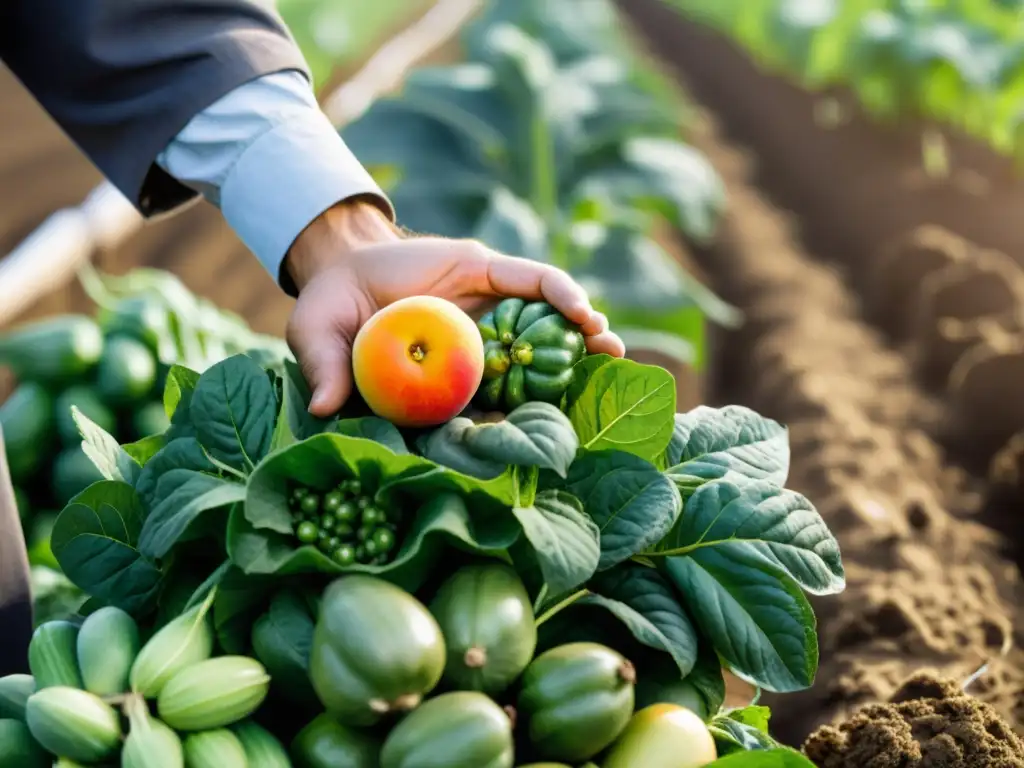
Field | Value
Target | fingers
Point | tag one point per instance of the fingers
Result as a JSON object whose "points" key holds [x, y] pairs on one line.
{"points": [[607, 343], [510, 276], [324, 353]]}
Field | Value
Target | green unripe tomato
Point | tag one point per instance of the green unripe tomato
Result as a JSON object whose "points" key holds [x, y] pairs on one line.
{"points": [[332, 501], [307, 533], [347, 512], [373, 515], [344, 555], [383, 539], [311, 504]]}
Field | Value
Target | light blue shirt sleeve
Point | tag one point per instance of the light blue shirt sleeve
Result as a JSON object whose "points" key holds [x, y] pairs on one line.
{"points": [[269, 158]]}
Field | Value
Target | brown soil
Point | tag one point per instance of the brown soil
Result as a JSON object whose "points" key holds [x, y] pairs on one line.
{"points": [[927, 723], [927, 583]]}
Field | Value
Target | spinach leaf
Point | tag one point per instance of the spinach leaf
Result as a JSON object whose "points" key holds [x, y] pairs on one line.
{"points": [[181, 383], [95, 540], [373, 428], [178, 485], [712, 443], [112, 461], [233, 411], [442, 519], [184, 495], [566, 542], [626, 406], [781, 525], [532, 435], [756, 617], [641, 599], [178, 390], [633, 504]]}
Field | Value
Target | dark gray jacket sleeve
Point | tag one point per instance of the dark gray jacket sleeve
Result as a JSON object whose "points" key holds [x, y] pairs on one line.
{"points": [[123, 77]]}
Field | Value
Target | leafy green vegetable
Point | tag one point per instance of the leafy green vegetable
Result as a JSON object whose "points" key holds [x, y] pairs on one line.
{"points": [[533, 435], [626, 406], [95, 540]]}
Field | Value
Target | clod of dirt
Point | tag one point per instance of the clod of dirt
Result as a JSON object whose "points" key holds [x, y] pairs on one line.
{"points": [[901, 268], [957, 303], [927, 723], [987, 409]]}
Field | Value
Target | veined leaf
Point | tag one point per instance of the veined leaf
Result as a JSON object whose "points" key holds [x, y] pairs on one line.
{"points": [[626, 406], [756, 617], [781, 525], [95, 540], [710, 443], [565, 541], [633, 504]]}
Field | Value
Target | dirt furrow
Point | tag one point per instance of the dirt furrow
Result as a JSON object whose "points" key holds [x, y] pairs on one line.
{"points": [[927, 585]]}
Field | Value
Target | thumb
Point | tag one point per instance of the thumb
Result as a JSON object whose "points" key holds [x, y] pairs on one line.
{"points": [[324, 354]]}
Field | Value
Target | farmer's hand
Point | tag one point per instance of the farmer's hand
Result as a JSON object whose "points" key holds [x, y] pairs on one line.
{"points": [[352, 261]]}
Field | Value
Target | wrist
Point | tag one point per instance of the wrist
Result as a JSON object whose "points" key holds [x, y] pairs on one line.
{"points": [[332, 237]]}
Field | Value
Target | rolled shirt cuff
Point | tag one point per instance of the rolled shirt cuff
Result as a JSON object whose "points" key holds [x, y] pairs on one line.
{"points": [[285, 179]]}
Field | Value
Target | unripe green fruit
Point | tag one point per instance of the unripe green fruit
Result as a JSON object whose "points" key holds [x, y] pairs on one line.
{"points": [[53, 655], [213, 693], [73, 724], [108, 643], [214, 749], [183, 642], [150, 743]]}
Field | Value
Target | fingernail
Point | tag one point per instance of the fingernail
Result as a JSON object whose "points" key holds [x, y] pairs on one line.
{"points": [[316, 401]]}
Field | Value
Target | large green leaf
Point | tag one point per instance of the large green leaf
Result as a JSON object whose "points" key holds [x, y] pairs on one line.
{"points": [[532, 435], [642, 600], [233, 411], [780, 524], [626, 406], [565, 541], [95, 540], [712, 443], [756, 617], [633, 504]]}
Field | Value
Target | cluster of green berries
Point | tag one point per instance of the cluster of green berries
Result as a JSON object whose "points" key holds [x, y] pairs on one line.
{"points": [[344, 524]]}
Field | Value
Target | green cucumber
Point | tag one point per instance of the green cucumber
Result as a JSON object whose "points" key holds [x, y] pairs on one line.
{"points": [[26, 424], [52, 351], [126, 372]]}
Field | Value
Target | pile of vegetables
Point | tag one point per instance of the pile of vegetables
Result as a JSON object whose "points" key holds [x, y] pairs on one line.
{"points": [[111, 368], [949, 62], [567, 582]]}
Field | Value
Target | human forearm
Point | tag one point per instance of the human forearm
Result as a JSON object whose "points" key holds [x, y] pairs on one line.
{"points": [[269, 158]]}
